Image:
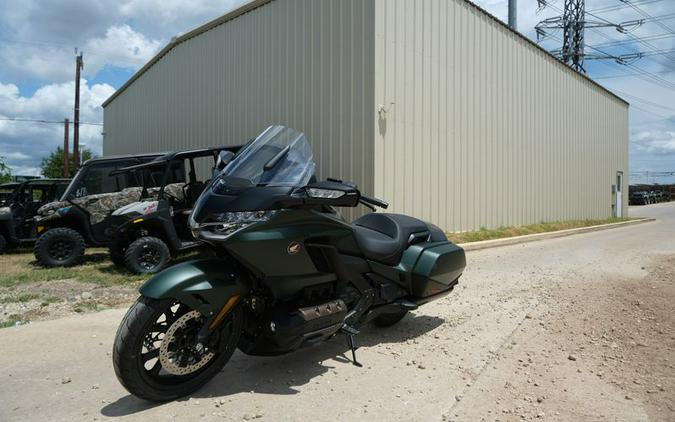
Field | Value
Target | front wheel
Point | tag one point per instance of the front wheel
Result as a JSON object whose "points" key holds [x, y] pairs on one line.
{"points": [[147, 255], [157, 356], [59, 247]]}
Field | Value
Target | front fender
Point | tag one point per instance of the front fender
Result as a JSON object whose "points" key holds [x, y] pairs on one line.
{"points": [[204, 285]]}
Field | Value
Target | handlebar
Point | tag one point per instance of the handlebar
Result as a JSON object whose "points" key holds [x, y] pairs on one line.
{"points": [[374, 201]]}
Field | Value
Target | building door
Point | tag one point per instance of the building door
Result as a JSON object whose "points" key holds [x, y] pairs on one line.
{"points": [[618, 208]]}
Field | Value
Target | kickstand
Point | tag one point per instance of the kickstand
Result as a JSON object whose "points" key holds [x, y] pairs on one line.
{"points": [[351, 344]]}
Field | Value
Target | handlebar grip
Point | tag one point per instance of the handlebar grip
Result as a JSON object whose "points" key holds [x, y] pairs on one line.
{"points": [[374, 201]]}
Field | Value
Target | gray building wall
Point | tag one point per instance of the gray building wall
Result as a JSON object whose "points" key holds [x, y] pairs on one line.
{"points": [[471, 131], [307, 64], [486, 129]]}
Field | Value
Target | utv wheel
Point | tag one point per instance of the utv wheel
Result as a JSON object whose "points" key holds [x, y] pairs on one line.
{"points": [[147, 255], [59, 247], [156, 356], [387, 320]]}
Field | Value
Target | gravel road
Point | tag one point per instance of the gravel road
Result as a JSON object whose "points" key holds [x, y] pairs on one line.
{"points": [[575, 328]]}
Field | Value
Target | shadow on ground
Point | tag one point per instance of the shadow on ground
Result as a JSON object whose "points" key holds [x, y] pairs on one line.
{"points": [[281, 374]]}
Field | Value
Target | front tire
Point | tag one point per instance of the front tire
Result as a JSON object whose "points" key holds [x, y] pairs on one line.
{"points": [[59, 247], [147, 255], [147, 339]]}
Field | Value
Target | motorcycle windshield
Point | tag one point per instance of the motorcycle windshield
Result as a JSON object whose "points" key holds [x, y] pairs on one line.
{"points": [[279, 156], [270, 167]]}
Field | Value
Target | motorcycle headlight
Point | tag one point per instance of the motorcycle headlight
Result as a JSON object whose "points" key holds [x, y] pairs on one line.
{"points": [[228, 223]]}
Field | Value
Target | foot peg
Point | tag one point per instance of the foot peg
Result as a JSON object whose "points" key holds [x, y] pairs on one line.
{"points": [[350, 332]]}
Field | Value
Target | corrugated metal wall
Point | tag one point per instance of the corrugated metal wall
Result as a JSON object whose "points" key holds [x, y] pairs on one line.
{"points": [[307, 64], [487, 130]]}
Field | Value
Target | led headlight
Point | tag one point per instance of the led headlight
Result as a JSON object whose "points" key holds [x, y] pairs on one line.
{"points": [[324, 193], [4, 210], [228, 223]]}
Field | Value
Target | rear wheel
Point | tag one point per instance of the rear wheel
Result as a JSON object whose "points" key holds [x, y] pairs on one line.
{"points": [[59, 247], [157, 356], [387, 320], [147, 255], [117, 250], [3, 244]]}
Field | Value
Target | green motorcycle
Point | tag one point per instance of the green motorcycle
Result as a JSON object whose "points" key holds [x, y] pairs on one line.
{"points": [[290, 272]]}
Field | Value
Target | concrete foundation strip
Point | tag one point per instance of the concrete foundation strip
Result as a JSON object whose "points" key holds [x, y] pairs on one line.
{"points": [[485, 244]]}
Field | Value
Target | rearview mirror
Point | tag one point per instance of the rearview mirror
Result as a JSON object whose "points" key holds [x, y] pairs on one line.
{"points": [[223, 159], [332, 193]]}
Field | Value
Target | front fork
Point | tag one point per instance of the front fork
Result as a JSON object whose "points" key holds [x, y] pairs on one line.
{"points": [[214, 321]]}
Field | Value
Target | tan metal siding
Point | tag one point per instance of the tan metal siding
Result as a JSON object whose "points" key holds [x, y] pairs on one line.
{"points": [[487, 130], [307, 64]]}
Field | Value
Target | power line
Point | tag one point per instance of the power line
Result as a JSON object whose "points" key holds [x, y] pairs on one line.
{"points": [[647, 102], [60, 122], [622, 6], [665, 72], [648, 16]]}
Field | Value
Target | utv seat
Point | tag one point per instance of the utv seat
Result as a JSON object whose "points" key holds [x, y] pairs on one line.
{"points": [[383, 237]]}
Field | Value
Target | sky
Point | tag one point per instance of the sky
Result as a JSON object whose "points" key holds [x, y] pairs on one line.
{"points": [[38, 41]]}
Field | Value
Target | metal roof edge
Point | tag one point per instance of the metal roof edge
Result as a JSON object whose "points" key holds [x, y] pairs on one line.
{"points": [[245, 8], [534, 44]]}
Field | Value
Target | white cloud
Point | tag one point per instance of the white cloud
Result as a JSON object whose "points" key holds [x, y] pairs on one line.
{"points": [[657, 143], [39, 38], [24, 144], [122, 47]]}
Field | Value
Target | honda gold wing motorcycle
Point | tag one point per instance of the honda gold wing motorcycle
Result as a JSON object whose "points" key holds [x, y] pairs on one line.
{"points": [[290, 272]]}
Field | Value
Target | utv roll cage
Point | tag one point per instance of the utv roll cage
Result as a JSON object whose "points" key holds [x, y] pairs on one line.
{"points": [[75, 182], [167, 160]]}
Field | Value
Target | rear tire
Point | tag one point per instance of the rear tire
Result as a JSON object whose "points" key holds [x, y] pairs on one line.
{"points": [[387, 320], [136, 347], [59, 247], [3, 244], [147, 255], [116, 250]]}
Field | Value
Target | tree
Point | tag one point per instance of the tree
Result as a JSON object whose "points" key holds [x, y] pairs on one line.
{"points": [[5, 172], [52, 166]]}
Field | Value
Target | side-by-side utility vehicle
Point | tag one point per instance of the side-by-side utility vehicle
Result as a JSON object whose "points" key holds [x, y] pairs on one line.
{"points": [[82, 217], [19, 203], [147, 234]]}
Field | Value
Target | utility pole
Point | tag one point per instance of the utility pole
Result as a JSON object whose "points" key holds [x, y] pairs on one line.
{"points": [[66, 122], [513, 14], [76, 121]]}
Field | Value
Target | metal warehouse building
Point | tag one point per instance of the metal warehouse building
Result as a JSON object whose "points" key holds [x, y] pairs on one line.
{"points": [[433, 105]]}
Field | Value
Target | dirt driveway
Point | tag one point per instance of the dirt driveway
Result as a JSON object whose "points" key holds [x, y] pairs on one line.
{"points": [[576, 328]]}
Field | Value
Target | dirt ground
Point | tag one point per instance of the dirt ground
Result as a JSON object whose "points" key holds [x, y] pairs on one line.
{"points": [[579, 328], [583, 338]]}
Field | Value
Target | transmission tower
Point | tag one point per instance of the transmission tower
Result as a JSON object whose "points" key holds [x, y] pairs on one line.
{"points": [[573, 34], [573, 22]]}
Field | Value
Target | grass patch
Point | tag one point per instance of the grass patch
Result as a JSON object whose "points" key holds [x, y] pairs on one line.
{"points": [[88, 307], [20, 268], [503, 232], [11, 321]]}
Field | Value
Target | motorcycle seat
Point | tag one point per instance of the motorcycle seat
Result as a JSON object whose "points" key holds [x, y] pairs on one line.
{"points": [[383, 237]]}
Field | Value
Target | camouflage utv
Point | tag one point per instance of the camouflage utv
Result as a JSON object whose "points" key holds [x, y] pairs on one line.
{"points": [[149, 233], [81, 218]]}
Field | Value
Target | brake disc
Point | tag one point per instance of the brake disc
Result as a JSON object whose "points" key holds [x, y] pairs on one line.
{"points": [[175, 361]]}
